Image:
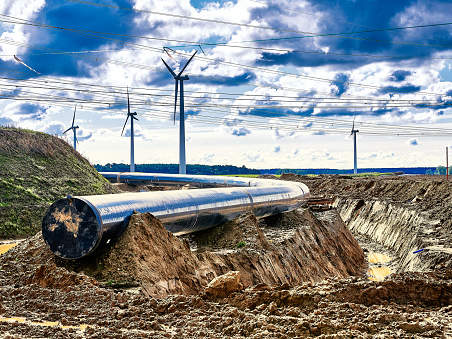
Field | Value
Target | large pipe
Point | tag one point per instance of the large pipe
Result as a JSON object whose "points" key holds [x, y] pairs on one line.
{"points": [[75, 227]]}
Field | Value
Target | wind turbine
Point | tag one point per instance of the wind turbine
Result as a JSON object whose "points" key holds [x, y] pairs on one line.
{"points": [[180, 78], [132, 146], [355, 160], [74, 129]]}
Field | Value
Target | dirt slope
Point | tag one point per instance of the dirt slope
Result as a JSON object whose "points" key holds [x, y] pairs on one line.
{"points": [[290, 249], [404, 214], [35, 170]]}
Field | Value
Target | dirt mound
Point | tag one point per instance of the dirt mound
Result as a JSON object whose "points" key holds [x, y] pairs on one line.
{"points": [[295, 247], [244, 231], [149, 256], [31, 262], [35, 170]]}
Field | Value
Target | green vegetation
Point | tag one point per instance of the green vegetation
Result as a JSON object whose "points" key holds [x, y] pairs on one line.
{"points": [[174, 169], [240, 244], [36, 169], [240, 175], [440, 170], [370, 174], [246, 175], [119, 284]]}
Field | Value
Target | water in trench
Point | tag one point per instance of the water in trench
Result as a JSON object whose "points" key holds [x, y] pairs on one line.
{"points": [[381, 261], [22, 320], [5, 246]]}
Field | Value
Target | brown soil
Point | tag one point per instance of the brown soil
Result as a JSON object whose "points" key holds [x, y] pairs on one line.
{"points": [[406, 306], [147, 255], [301, 275], [405, 214]]}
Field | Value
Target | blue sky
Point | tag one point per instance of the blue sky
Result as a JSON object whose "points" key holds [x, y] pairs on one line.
{"points": [[294, 100]]}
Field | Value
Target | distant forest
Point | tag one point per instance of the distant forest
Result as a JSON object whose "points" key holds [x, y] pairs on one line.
{"points": [[229, 169], [174, 169]]}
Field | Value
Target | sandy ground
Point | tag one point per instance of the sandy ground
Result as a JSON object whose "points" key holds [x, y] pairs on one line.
{"points": [[42, 298]]}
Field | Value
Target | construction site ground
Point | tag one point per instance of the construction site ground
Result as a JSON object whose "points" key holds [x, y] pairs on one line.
{"points": [[377, 264]]}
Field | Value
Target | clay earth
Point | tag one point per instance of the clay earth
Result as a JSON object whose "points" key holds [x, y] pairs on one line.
{"points": [[341, 272]]}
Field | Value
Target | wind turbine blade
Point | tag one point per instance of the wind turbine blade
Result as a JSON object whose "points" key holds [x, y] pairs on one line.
{"points": [[73, 119], [175, 99], [166, 49], [23, 63], [67, 130], [125, 124], [169, 69], [183, 69]]}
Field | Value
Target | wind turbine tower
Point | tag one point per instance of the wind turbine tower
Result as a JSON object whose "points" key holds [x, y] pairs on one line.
{"points": [[355, 159], [74, 129], [180, 78], [132, 144]]}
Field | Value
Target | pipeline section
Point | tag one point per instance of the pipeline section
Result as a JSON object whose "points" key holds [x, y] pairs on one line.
{"points": [[74, 227]]}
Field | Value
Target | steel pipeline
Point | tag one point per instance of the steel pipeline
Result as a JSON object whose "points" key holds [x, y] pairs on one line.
{"points": [[74, 227]]}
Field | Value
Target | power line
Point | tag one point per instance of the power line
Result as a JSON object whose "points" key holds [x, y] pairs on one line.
{"points": [[314, 100], [256, 96], [342, 35], [263, 106], [398, 132], [197, 44], [261, 69]]}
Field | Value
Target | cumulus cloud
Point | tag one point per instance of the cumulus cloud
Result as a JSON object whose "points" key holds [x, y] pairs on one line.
{"points": [[399, 75], [340, 84], [138, 132], [240, 132], [84, 135], [400, 89], [236, 80], [27, 111], [55, 129], [303, 60]]}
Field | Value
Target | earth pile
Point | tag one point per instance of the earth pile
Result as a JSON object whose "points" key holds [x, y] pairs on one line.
{"points": [[36, 169], [295, 247]]}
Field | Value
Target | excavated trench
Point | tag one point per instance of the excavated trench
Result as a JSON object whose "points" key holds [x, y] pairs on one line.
{"points": [[402, 223], [404, 231]]}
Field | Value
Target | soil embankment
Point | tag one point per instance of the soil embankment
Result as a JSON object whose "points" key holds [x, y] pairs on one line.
{"points": [[36, 169], [295, 247], [403, 214]]}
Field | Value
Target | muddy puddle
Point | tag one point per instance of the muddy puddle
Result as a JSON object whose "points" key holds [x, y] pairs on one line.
{"points": [[6, 245], [23, 320], [381, 262], [378, 266]]}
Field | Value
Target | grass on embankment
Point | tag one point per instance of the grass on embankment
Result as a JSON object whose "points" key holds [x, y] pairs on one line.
{"points": [[36, 169]]}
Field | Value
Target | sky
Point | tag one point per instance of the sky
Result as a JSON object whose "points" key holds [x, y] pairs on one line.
{"points": [[273, 84]]}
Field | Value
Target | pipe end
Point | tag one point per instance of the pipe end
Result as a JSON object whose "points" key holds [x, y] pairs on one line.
{"points": [[71, 228]]}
